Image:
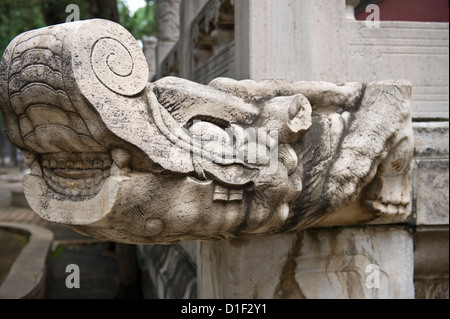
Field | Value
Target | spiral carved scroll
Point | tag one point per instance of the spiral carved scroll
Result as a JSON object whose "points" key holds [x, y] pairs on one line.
{"points": [[116, 67], [108, 58]]}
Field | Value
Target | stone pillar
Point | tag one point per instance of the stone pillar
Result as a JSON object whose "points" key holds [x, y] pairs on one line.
{"points": [[168, 24], [273, 49], [149, 48], [431, 210], [373, 262], [189, 10]]}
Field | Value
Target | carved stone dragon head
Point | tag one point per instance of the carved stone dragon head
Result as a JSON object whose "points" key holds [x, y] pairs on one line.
{"points": [[116, 157]]}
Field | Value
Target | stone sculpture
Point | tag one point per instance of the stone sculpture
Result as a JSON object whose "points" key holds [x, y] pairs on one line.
{"points": [[116, 157]]}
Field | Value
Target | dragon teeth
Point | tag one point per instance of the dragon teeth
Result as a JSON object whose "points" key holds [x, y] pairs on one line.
{"points": [[98, 164], [72, 186], [53, 163], [87, 164]]}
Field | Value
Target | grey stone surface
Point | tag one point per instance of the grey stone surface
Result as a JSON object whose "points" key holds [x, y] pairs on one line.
{"points": [[168, 20], [27, 278], [431, 210], [431, 180], [431, 139], [436, 288], [316, 263], [191, 248]]}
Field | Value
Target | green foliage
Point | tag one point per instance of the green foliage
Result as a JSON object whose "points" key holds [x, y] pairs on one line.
{"points": [[17, 17], [58, 251], [142, 22], [22, 15]]}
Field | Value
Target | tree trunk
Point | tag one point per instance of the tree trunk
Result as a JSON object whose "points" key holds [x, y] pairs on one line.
{"points": [[54, 12], [106, 9], [128, 272]]}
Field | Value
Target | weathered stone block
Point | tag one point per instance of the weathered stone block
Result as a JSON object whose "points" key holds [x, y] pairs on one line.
{"points": [[431, 139], [352, 262], [430, 187]]}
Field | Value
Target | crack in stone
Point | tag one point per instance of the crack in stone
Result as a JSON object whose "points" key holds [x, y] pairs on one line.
{"points": [[288, 287]]}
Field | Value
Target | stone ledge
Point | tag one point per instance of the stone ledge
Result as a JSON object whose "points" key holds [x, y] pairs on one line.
{"points": [[27, 278], [430, 191], [431, 139], [322, 263]]}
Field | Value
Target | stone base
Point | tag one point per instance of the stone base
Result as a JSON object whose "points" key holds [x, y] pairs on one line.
{"points": [[373, 262], [170, 270]]}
